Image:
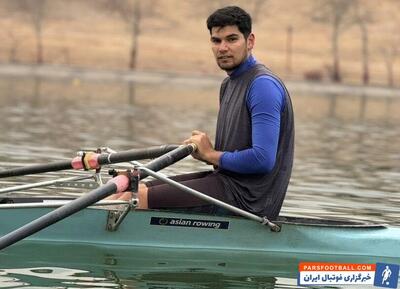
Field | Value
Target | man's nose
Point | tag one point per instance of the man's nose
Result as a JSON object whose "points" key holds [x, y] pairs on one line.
{"points": [[223, 46]]}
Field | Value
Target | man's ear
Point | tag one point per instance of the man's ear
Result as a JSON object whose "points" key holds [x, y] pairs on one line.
{"points": [[250, 41]]}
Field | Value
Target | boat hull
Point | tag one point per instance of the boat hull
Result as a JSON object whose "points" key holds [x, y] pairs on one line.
{"points": [[148, 228]]}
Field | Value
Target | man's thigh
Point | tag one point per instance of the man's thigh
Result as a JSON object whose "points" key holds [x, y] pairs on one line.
{"points": [[162, 196], [180, 178]]}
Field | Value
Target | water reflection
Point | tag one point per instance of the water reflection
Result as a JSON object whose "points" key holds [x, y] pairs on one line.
{"points": [[56, 278], [347, 159], [129, 268], [88, 266]]}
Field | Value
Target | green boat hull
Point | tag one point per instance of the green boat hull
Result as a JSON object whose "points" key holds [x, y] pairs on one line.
{"points": [[184, 231]]}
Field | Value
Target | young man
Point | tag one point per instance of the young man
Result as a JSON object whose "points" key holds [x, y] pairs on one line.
{"points": [[253, 153]]}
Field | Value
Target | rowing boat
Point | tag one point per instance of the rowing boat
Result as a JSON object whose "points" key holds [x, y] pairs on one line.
{"points": [[99, 226], [89, 220]]}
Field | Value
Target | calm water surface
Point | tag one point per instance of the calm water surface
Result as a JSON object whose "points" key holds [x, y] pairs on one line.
{"points": [[347, 166]]}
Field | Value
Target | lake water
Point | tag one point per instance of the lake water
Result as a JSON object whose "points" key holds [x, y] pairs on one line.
{"points": [[347, 166]]}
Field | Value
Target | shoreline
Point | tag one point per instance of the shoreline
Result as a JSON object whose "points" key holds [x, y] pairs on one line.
{"points": [[154, 77]]}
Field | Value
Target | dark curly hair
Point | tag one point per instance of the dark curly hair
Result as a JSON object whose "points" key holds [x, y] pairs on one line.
{"points": [[230, 15]]}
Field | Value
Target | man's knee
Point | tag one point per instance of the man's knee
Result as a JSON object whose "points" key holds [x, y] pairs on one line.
{"points": [[142, 196]]}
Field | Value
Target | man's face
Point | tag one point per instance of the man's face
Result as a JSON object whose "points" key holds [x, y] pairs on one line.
{"points": [[229, 46]]}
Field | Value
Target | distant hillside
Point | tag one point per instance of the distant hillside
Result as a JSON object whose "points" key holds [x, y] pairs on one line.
{"points": [[173, 36]]}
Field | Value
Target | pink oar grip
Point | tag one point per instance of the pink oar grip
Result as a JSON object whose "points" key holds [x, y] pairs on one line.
{"points": [[90, 161], [76, 163], [122, 183]]}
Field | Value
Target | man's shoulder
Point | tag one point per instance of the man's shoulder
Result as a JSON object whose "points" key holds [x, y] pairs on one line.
{"points": [[262, 74], [262, 70], [267, 85], [267, 80]]}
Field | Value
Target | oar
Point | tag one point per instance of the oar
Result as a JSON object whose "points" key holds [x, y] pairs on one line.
{"points": [[43, 184], [115, 185], [90, 161]]}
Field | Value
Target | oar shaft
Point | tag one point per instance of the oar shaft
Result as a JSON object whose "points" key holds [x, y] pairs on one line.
{"points": [[58, 214], [115, 185], [94, 161], [169, 158], [135, 154], [43, 184], [36, 169]]}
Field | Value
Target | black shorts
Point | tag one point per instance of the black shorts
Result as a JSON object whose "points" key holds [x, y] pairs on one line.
{"points": [[164, 196]]}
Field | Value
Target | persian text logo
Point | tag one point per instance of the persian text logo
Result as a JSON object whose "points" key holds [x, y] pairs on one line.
{"points": [[335, 273], [386, 275]]}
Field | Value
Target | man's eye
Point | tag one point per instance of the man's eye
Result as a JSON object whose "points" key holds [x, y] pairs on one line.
{"points": [[215, 41], [232, 39]]}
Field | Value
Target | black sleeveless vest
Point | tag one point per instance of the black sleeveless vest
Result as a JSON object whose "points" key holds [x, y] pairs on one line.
{"points": [[261, 194]]}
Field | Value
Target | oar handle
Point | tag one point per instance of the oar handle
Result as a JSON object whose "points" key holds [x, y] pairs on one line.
{"points": [[135, 154], [169, 158]]}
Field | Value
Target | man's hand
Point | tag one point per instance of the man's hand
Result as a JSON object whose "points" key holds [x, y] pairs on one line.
{"points": [[205, 151]]}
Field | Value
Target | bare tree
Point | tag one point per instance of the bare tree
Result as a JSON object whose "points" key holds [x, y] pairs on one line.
{"points": [[202, 9], [133, 12], [289, 48], [14, 46], [254, 7], [257, 9], [333, 13], [36, 10], [390, 53], [362, 18]]}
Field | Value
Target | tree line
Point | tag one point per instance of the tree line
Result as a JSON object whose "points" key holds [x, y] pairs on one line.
{"points": [[338, 15]]}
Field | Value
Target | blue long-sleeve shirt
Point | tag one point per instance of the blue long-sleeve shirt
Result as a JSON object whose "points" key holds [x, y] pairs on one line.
{"points": [[265, 101]]}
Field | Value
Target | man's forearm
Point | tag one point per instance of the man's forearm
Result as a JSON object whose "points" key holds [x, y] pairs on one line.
{"points": [[213, 157]]}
